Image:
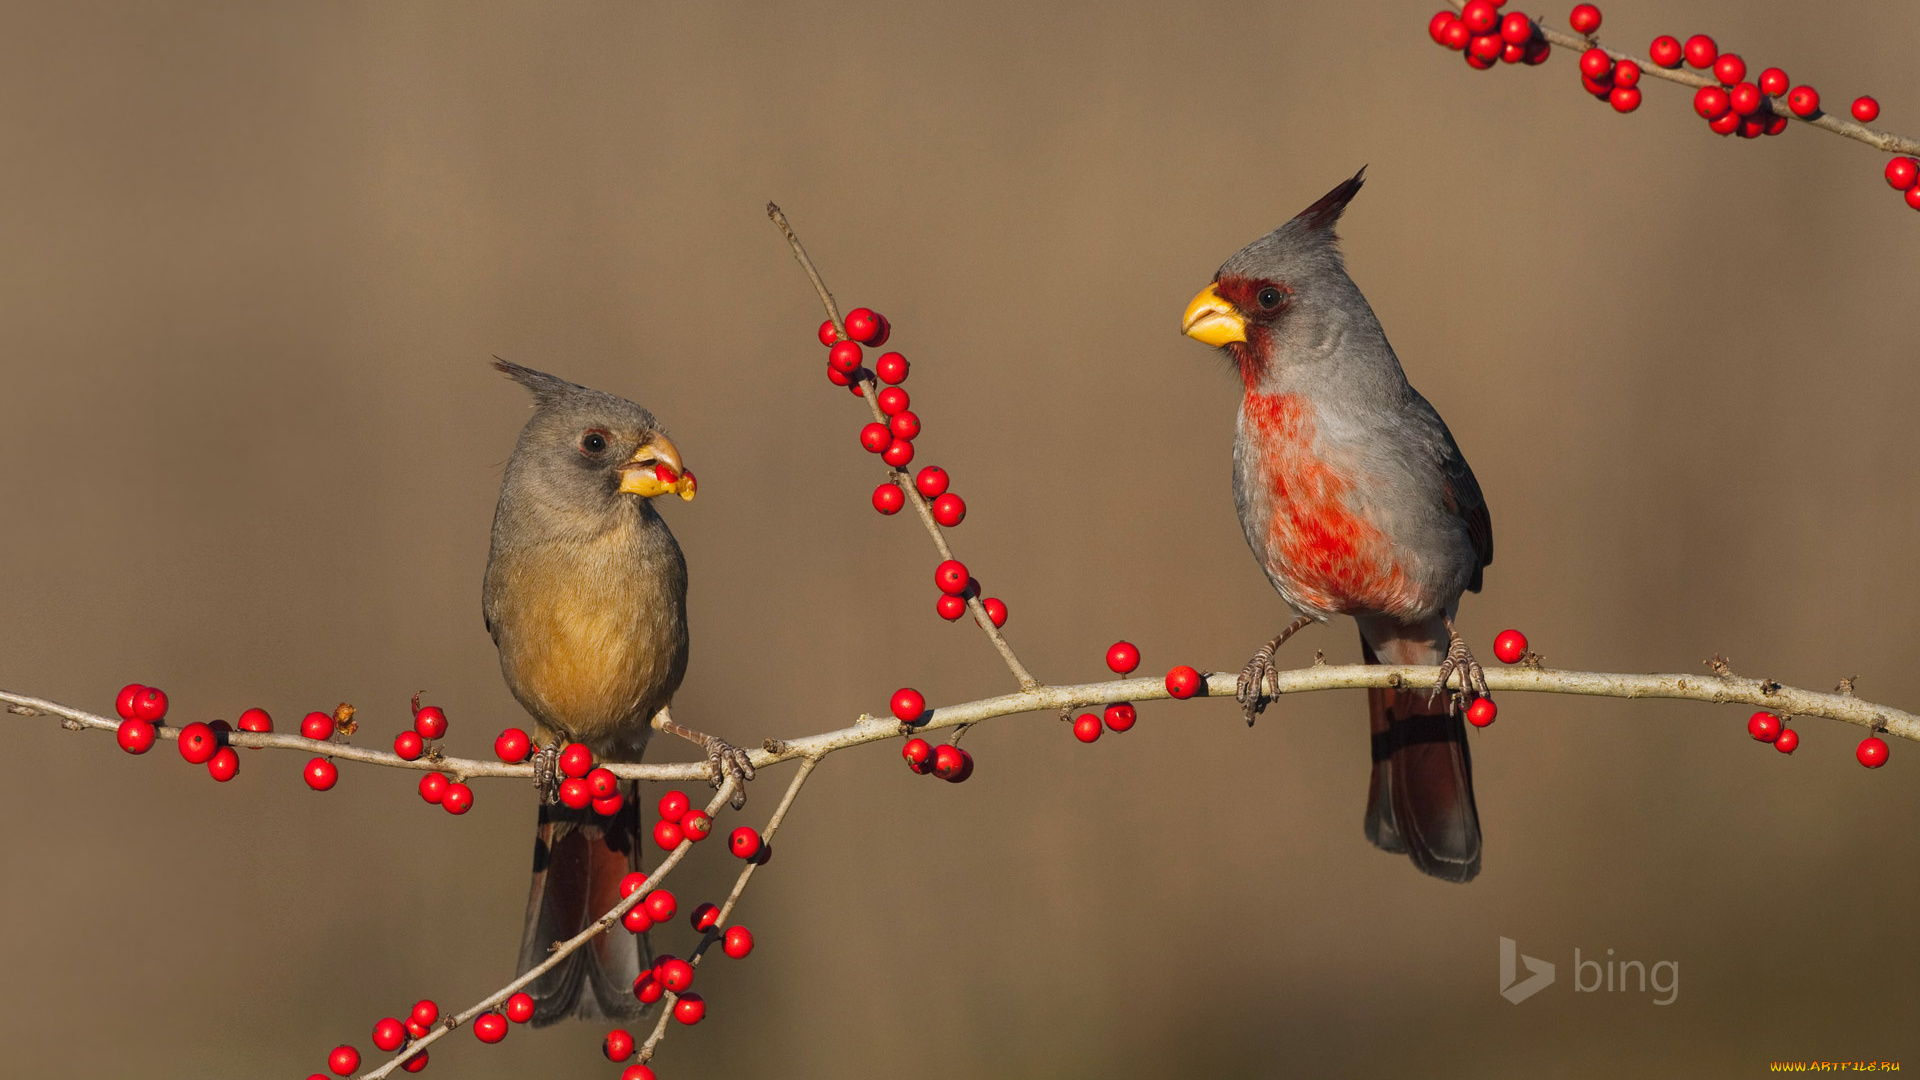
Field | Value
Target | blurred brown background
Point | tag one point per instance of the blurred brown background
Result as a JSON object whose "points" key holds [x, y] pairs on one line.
{"points": [[256, 258]]}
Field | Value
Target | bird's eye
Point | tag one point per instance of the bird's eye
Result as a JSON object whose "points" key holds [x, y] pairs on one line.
{"points": [[593, 442], [1269, 298]]}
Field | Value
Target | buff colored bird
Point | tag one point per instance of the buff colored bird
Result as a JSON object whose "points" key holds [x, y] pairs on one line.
{"points": [[586, 599], [1356, 502]]}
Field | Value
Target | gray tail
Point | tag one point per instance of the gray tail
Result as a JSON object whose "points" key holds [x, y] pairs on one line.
{"points": [[579, 859], [1420, 803]]}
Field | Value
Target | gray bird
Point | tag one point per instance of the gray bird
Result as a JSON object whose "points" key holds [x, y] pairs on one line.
{"points": [[586, 599], [1356, 502]]}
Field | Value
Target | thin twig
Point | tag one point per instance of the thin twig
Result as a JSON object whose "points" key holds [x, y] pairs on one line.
{"points": [[1880, 140]]}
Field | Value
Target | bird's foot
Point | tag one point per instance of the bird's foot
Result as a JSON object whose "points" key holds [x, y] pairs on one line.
{"points": [[1260, 680], [546, 774], [1473, 678], [724, 760]]}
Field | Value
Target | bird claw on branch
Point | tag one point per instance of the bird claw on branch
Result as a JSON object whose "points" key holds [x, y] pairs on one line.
{"points": [[546, 774], [727, 760], [1473, 678]]}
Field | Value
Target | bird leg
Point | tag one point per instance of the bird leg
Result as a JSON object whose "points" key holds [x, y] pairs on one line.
{"points": [[723, 758], [546, 773], [1473, 679], [1252, 696]]}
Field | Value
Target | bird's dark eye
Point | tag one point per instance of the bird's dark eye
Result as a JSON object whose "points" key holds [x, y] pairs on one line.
{"points": [[593, 442], [1269, 298]]}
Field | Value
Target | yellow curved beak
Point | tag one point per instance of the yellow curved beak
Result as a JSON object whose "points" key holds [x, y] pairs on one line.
{"points": [[1212, 320], [656, 469]]}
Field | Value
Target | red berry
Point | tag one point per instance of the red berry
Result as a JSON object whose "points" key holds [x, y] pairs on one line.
{"points": [[1515, 29], [1626, 73], [512, 746], [637, 1072], [904, 425], [637, 920], [1120, 716], [576, 761], [675, 974], [1701, 51], [704, 917], [123, 702], [520, 1007], [430, 722], [932, 482], [996, 611], [951, 577], [415, 1063], [631, 884], [899, 453], [425, 1012], [408, 745], [1596, 64], [198, 743], [321, 773], [343, 1060], [1538, 50], [1913, 196], [433, 787], [949, 510], [618, 1045], [891, 368], [875, 437], [1745, 99], [255, 720], [1872, 752], [696, 825], [457, 800], [1480, 16], [574, 793], [1666, 51], [844, 357], [888, 498], [1601, 89], [221, 729], [1183, 682], [1086, 727], [1510, 646], [744, 843], [602, 783], [660, 905], [907, 704], [1486, 48], [1774, 82], [490, 1027], [1512, 54], [1902, 173], [1624, 99], [919, 755], [149, 704], [862, 324], [316, 725], [416, 1029], [1123, 657], [1456, 36], [1804, 101], [667, 834], [224, 764], [828, 333], [1866, 110], [389, 1035], [673, 805], [1585, 18], [1776, 124], [858, 387], [689, 1009], [738, 942], [952, 764], [950, 608], [892, 401], [838, 377], [1763, 726], [609, 805], [1726, 123], [1729, 68], [1786, 741], [1437, 26], [1711, 102], [134, 736], [1482, 712]]}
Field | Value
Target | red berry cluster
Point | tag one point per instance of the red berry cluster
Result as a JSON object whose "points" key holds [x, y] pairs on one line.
{"points": [[1486, 37], [680, 820], [1738, 105], [946, 761], [1768, 728], [1903, 173], [657, 907], [392, 1034], [670, 974]]}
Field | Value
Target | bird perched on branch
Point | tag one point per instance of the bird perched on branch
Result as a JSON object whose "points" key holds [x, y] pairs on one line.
{"points": [[1356, 502], [586, 599]]}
